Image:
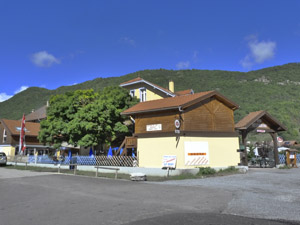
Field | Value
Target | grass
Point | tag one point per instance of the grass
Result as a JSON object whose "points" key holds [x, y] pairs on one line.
{"points": [[285, 167], [203, 173]]}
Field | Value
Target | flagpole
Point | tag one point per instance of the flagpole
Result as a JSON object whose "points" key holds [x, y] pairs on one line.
{"points": [[22, 136]]}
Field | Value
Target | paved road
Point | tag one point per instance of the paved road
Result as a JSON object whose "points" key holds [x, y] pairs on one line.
{"points": [[45, 198]]}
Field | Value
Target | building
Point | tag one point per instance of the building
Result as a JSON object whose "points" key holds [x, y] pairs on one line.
{"points": [[10, 136], [147, 91], [37, 115], [195, 129]]}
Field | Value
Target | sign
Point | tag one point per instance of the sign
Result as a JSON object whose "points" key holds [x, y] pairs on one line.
{"points": [[261, 131], [279, 139], [292, 156], [177, 131], [154, 127], [263, 125], [196, 153], [177, 123], [169, 161]]}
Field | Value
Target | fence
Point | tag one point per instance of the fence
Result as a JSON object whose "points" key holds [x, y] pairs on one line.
{"points": [[126, 161], [282, 158]]}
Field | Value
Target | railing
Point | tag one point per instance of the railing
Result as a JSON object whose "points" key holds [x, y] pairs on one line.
{"points": [[126, 161]]}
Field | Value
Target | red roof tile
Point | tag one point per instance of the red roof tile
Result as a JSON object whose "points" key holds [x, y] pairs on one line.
{"points": [[176, 102], [14, 126], [38, 114], [252, 117], [185, 92]]}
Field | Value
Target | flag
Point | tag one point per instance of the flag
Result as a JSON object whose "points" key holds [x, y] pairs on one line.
{"points": [[22, 145], [91, 153], [110, 154]]}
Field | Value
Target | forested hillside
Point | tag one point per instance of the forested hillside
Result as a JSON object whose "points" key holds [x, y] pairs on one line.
{"points": [[275, 89]]}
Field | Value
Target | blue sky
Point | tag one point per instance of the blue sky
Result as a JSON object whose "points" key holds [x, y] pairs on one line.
{"points": [[53, 43]]}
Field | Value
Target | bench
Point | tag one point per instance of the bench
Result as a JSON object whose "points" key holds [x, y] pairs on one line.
{"points": [[107, 168]]}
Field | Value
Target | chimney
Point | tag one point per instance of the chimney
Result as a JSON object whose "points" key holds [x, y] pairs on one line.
{"points": [[171, 85]]}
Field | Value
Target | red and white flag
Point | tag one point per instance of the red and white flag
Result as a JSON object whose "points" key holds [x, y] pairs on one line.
{"points": [[22, 145]]}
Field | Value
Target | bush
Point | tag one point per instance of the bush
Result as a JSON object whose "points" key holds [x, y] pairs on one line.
{"points": [[206, 171], [284, 167]]}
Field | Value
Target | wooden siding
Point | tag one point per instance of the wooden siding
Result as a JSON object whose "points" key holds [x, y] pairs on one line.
{"points": [[166, 119], [208, 116]]}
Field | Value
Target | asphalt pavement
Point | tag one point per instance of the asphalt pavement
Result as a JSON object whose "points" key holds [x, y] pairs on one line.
{"points": [[45, 198]]}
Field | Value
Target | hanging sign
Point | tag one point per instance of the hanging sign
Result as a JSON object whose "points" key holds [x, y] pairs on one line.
{"points": [[261, 131]]}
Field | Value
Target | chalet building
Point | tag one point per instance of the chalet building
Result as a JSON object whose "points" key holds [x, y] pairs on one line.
{"points": [[10, 136], [147, 91], [195, 128], [37, 115]]}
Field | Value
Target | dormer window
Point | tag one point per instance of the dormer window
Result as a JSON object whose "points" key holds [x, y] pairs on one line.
{"points": [[143, 94], [4, 136]]}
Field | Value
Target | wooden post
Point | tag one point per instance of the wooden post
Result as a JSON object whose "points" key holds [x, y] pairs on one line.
{"points": [[276, 156], [244, 141]]}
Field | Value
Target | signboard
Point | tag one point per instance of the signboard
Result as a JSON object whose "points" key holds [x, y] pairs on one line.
{"points": [[154, 127], [169, 161], [177, 123], [261, 131], [279, 139], [196, 153]]}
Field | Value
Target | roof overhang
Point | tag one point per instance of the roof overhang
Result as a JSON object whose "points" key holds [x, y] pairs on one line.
{"points": [[150, 84]]}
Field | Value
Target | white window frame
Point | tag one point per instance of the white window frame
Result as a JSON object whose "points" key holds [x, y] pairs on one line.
{"points": [[4, 136], [132, 92], [143, 94]]}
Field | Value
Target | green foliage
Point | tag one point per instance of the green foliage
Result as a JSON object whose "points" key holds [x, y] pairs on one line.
{"points": [[285, 167], [86, 117], [275, 89], [204, 171], [230, 169], [251, 153]]}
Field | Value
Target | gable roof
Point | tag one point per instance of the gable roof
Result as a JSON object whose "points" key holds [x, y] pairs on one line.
{"points": [[38, 114], [141, 80], [177, 103], [14, 126], [252, 117]]}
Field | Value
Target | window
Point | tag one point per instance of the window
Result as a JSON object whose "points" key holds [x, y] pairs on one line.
{"points": [[4, 136], [142, 94], [132, 92]]}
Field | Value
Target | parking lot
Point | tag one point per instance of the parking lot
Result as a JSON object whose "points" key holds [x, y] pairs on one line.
{"points": [[257, 197]]}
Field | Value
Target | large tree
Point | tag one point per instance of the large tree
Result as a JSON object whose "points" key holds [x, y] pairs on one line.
{"points": [[86, 118]]}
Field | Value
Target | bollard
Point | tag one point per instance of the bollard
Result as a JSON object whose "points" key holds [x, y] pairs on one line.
{"points": [[25, 165], [58, 168], [97, 172]]}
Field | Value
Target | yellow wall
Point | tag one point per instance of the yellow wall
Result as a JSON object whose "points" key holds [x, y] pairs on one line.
{"points": [[151, 93], [8, 150], [222, 151]]}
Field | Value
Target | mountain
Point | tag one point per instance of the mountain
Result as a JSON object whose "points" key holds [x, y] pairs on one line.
{"points": [[275, 89]]}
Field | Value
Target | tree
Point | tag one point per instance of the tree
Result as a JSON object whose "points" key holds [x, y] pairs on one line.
{"points": [[86, 118]]}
